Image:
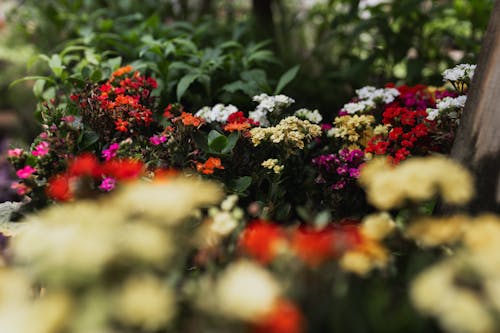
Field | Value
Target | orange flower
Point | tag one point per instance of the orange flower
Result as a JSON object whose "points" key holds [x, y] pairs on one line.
{"points": [[121, 125], [189, 120], [122, 70], [208, 167], [237, 127], [284, 318], [262, 240], [123, 169], [125, 100]]}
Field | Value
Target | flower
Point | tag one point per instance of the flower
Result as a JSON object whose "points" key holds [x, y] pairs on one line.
{"points": [[208, 167], [111, 151], [285, 317], [246, 291], [262, 240], [313, 116], [107, 184], [461, 72], [58, 188], [189, 120], [218, 113], [20, 188], [121, 125], [16, 152], [314, 246], [41, 149], [122, 71], [84, 165], [157, 139], [273, 164], [25, 172]]}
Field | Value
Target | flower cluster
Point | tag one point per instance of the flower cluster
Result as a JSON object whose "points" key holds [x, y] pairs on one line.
{"points": [[122, 105], [461, 72], [269, 104], [218, 113], [356, 246], [313, 116], [354, 131], [339, 171], [415, 180], [291, 131]]}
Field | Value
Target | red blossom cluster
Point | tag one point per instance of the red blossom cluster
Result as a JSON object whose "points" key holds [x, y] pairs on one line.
{"points": [[264, 241], [238, 122], [408, 134], [285, 317], [124, 100], [65, 186]]}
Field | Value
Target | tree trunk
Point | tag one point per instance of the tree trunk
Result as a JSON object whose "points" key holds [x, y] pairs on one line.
{"points": [[477, 144], [263, 16]]}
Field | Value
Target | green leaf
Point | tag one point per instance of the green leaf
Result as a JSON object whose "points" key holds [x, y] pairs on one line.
{"points": [[201, 140], [232, 139], [55, 64], [29, 78], [38, 87], [96, 76], [286, 78], [88, 139], [216, 141], [240, 185], [184, 84]]}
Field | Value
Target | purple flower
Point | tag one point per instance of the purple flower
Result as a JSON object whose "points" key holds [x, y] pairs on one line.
{"points": [[157, 139], [107, 184], [341, 170], [339, 185], [111, 151], [354, 172]]}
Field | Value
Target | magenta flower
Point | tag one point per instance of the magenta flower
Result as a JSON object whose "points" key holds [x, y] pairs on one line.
{"points": [[157, 139], [16, 152], [111, 151], [25, 172], [108, 184], [41, 149]]}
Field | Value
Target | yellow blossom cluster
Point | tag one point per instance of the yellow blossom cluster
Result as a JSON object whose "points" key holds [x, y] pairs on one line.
{"points": [[354, 130], [102, 263], [416, 180], [463, 291], [370, 254], [291, 131], [273, 164]]}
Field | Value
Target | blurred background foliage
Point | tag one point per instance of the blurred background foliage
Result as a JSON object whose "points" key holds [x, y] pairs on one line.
{"points": [[208, 51]]}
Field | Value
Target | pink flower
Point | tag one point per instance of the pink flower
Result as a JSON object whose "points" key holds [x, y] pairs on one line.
{"points": [[41, 149], [16, 152], [108, 184], [21, 189], [157, 139], [111, 151], [25, 172]]}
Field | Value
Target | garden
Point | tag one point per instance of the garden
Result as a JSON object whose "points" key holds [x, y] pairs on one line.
{"points": [[264, 166]]}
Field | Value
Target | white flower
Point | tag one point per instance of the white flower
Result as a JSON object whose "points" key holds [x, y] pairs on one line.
{"points": [[313, 116], [260, 116], [246, 291], [451, 103], [462, 72], [272, 103], [358, 107], [218, 113], [432, 114]]}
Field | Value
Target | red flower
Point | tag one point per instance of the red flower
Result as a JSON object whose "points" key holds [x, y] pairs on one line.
{"points": [[284, 318], [395, 133], [123, 169], [420, 130], [261, 240], [314, 246], [58, 188], [84, 165]]}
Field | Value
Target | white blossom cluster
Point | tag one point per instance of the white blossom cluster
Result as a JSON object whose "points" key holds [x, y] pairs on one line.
{"points": [[218, 113], [385, 95], [268, 104], [462, 72], [448, 106], [306, 114], [369, 97]]}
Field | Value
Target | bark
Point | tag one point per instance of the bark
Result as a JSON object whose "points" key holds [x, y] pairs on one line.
{"points": [[477, 144]]}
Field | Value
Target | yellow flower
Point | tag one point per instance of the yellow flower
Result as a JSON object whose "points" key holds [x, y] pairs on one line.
{"points": [[429, 232], [377, 226]]}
